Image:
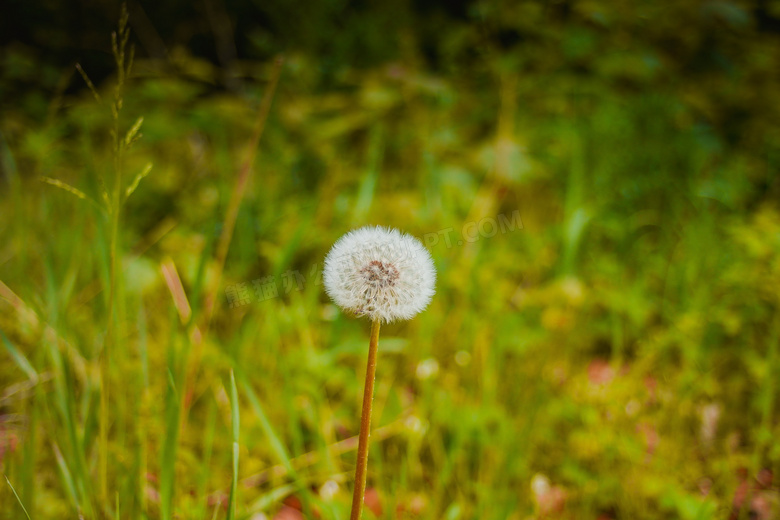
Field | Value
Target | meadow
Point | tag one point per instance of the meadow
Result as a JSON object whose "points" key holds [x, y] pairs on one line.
{"points": [[601, 203]]}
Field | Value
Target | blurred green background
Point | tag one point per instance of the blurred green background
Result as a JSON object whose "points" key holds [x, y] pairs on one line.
{"points": [[596, 181]]}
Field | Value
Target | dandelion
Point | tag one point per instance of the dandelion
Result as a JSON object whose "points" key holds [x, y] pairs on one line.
{"points": [[386, 276], [380, 273]]}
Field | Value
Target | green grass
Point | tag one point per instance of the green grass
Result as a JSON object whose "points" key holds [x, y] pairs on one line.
{"points": [[579, 349]]}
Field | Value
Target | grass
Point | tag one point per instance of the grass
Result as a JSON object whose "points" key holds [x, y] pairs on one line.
{"points": [[576, 350]]}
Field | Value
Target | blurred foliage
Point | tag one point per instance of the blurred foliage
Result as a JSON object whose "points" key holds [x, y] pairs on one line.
{"points": [[613, 356]]}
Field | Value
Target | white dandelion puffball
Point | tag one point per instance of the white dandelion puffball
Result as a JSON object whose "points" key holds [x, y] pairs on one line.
{"points": [[380, 273]]}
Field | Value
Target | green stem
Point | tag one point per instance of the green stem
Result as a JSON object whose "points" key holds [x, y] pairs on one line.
{"points": [[119, 43], [365, 425]]}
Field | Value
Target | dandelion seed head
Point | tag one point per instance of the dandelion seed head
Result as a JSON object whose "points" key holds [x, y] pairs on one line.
{"points": [[380, 273]]}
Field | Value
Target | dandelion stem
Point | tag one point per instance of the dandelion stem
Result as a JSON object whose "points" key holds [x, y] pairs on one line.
{"points": [[365, 424]]}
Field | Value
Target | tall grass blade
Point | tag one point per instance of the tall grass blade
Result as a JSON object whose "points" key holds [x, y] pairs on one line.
{"points": [[19, 359], [236, 426], [168, 462], [276, 443], [17, 497], [67, 478]]}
